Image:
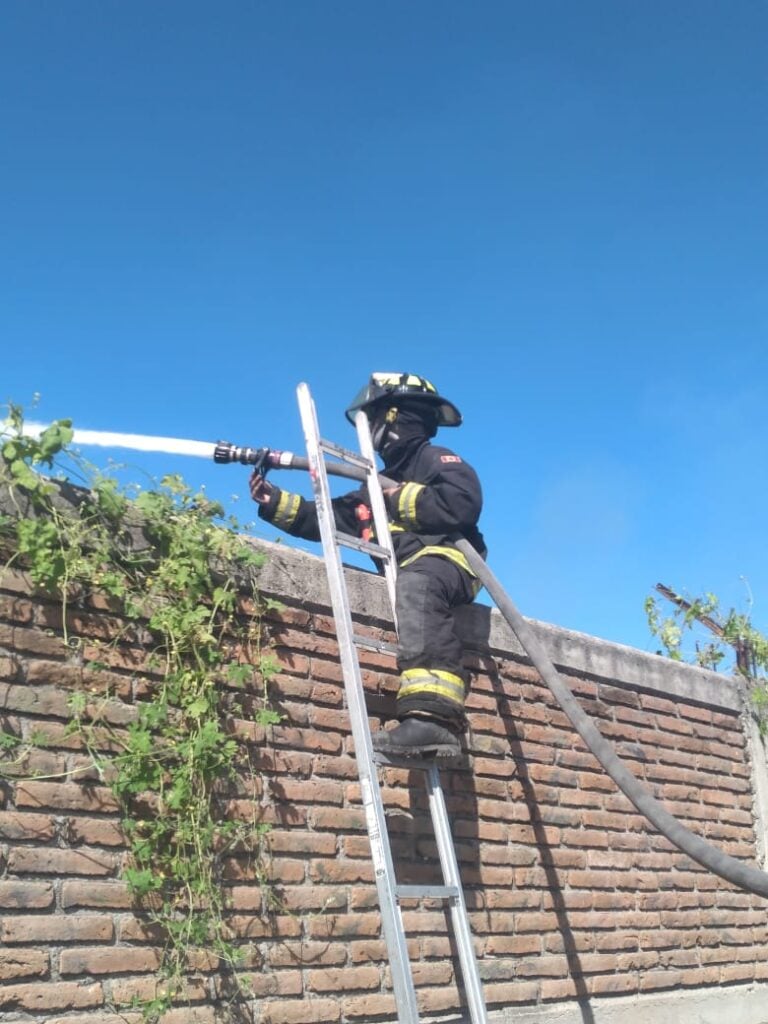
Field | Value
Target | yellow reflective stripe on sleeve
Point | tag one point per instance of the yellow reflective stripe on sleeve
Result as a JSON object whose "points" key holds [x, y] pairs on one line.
{"points": [[452, 554], [406, 504], [287, 509], [396, 528], [435, 681]]}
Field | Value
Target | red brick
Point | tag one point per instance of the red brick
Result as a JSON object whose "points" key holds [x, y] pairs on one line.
{"points": [[485, 831], [36, 700], [508, 993], [305, 739], [494, 768], [517, 856], [614, 901], [301, 842], [573, 943], [101, 960], [680, 958], [594, 780], [607, 942], [314, 897], [586, 838], [34, 761], [341, 871], [17, 581], [540, 923], [559, 989], [344, 979], [105, 895], [23, 963], [345, 926], [592, 880], [517, 945], [339, 767], [56, 735], [369, 1006], [26, 895], [71, 676], [337, 819], [16, 610], [41, 996], [717, 955], [307, 954], [190, 1015], [309, 791], [135, 929], [369, 951], [52, 928], [97, 1018], [257, 927], [700, 976], [33, 861], [300, 1011], [736, 972], [126, 990], [33, 641], [281, 983], [612, 985], [26, 826], [96, 831], [540, 967], [66, 796], [653, 980]]}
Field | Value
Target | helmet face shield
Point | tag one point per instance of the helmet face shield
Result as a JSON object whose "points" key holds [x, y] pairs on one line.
{"points": [[401, 389], [362, 400]]}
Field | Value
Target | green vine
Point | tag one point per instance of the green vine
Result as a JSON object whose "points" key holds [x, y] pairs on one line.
{"points": [[730, 642], [169, 566]]}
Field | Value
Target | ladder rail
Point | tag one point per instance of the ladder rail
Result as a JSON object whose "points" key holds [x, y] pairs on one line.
{"points": [[459, 917], [378, 508], [384, 873]]}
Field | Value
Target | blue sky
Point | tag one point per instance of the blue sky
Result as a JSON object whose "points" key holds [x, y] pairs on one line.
{"points": [[556, 211]]}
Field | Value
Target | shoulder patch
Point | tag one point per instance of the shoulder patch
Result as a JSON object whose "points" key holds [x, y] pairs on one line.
{"points": [[450, 458]]}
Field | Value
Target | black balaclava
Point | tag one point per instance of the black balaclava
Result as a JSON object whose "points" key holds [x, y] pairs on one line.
{"points": [[396, 436]]}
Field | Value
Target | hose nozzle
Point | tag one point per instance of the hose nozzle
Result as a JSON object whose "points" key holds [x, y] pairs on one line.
{"points": [[226, 452]]}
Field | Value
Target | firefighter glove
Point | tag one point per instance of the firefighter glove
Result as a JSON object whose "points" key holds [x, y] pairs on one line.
{"points": [[260, 489]]}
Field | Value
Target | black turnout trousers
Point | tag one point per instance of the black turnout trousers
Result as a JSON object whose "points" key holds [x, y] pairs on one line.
{"points": [[428, 591]]}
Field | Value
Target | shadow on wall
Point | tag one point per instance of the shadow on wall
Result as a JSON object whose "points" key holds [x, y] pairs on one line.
{"points": [[475, 626]]}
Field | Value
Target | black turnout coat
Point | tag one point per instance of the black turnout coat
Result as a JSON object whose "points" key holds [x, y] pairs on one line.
{"points": [[440, 495]]}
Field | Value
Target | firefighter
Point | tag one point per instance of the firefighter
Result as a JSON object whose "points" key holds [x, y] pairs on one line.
{"points": [[437, 495]]}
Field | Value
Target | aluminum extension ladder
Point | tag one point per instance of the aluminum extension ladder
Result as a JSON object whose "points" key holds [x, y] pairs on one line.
{"points": [[389, 892]]}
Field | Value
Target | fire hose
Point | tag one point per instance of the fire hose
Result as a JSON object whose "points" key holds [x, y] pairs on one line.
{"points": [[700, 850]]}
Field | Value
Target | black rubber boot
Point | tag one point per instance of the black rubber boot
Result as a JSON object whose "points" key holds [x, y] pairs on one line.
{"points": [[417, 737]]}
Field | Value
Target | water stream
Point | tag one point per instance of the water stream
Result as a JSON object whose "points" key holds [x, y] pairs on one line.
{"points": [[138, 442]]}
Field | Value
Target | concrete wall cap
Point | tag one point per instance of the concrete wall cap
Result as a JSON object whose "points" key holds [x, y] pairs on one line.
{"points": [[292, 574]]}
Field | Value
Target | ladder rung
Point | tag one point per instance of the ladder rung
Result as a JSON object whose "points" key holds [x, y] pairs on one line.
{"points": [[426, 892], [354, 458], [415, 764], [381, 646], [375, 550]]}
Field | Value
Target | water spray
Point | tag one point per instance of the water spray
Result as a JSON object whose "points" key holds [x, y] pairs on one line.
{"points": [[138, 442]]}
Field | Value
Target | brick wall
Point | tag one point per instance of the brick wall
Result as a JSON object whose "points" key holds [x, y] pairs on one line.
{"points": [[572, 896]]}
